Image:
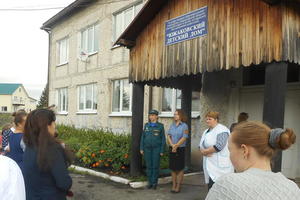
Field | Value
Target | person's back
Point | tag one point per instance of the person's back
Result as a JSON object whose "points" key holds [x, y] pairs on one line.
{"points": [[11, 180], [254, 184], [252, 145], [46, 185], [15, 148]]}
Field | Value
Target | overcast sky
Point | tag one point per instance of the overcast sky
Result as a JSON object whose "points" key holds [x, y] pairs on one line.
{"points": [[23, 45]]}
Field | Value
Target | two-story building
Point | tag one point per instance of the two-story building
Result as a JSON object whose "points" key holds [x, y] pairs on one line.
{"points": [[14, 97], [88, 76]]}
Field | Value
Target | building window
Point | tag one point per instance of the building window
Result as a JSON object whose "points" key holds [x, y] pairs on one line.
{"points": [[62, 100], [4, 108], [63, 51], [90, 39], [123, 19], [121, 98], [171, 100], [87, 98]]}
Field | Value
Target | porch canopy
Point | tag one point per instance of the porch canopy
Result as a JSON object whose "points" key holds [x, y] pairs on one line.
{"points": [[238, 33]]}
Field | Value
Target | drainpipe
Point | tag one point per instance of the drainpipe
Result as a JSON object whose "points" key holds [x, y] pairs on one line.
{"points": [[48, 30]]}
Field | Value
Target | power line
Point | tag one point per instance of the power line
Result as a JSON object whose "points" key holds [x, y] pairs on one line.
{"points": [[29, 9]]}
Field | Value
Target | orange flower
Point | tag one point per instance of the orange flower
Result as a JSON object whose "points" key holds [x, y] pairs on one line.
{"points": [[102, 151], [94, 165], [97, 164], [126, 156], [123, 167], [106, 165], [100, 161], [109, 160], [93, 155]]}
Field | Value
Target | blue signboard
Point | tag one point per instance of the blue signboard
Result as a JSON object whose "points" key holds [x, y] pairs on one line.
{"points": [[186, 27]]}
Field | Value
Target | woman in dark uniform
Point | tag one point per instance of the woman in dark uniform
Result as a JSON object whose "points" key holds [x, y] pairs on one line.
{"points": [[177, 135], [152, 145]]}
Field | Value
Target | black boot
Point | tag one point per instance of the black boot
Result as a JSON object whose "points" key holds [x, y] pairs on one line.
{"points": [[154, 187], [149, 186]]}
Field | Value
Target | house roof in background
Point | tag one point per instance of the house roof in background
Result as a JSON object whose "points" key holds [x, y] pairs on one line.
{"points": [[8, 88], [65, 13]]}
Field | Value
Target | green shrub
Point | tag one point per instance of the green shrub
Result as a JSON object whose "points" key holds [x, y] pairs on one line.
{"points": [[97, 148], [100, 149]]}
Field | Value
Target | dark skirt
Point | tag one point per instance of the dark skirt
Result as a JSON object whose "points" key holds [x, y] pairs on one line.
{"points": [[177, 159]]}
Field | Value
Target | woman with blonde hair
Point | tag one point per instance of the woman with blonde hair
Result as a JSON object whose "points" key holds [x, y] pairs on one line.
{"points": [[214, 148], [252, 146]]}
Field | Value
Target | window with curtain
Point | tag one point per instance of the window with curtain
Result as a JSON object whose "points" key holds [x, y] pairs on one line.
{"points": [[62, 99], [87, 97], [121, 96], [124, 18], [63, 51], [90, 39], [171, 100]]}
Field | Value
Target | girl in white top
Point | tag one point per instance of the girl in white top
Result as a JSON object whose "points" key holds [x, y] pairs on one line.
{"points": [[11, 180], [251, 146], [214, 148]]}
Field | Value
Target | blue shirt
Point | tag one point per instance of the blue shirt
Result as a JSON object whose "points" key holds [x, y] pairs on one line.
{"points": [[46, 185], [178, 132]]}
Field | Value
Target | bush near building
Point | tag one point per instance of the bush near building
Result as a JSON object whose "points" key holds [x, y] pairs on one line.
{"points": [[99, 149], [4, 119]]}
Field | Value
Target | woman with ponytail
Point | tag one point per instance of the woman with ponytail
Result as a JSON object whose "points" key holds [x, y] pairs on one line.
{"points": [[252, 146], [45, 161]]}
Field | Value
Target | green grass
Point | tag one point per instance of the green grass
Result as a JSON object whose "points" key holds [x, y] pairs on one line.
{"points": [[5, 118]]}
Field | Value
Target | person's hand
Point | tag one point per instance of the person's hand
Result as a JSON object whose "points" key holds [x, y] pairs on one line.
{"points": [[142, 152], [161, 154], [174, 148]]}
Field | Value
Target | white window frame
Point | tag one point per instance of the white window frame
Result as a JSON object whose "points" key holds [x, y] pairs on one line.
{"points": [[85, 110], [121, 112], [195, 114], [122, 12], [59, 92], [58, 53], [85, 49]]}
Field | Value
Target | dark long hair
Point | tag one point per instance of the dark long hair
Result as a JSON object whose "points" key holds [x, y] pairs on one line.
{"points": [[37, 136]]}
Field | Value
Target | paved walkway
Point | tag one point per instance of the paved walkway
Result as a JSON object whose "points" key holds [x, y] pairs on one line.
{"points": [[87, 187]]}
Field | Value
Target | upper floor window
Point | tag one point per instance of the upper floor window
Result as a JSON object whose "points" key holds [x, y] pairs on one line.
{"points": [[90, 39], [63, 51], [62, 100], [121, 97], [172, 100], [123, 19], [87, 97]]}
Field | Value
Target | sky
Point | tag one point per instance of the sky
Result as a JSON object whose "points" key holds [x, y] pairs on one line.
{"points": [[23, 45]]}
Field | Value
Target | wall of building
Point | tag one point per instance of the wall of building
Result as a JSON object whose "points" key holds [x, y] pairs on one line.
{"points": [[101, 68], [6, 102]]}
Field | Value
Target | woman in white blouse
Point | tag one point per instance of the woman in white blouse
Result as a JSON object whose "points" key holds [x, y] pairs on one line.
{"points": [[251, 146]]}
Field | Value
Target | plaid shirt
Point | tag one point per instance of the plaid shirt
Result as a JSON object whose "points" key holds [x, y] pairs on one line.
{"points": [[5, 137]]}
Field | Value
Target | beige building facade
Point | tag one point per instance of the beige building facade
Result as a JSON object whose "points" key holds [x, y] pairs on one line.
{"points": [[14, 97]]}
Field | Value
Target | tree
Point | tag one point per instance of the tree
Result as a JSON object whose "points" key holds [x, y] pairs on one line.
{"points": [[44, 99]]}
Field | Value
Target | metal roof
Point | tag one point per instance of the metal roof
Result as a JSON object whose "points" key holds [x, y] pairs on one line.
{"points": [[66, 12], [8, 88]]}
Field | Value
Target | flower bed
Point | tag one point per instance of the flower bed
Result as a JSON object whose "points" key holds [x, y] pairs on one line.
{"points": [[100, 150]]}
